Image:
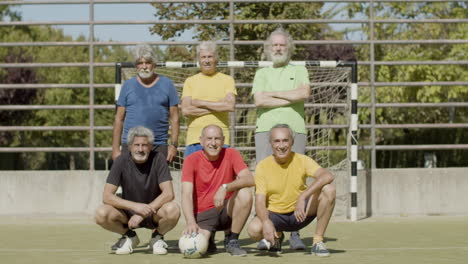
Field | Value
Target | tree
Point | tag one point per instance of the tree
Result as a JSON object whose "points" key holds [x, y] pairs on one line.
{"points": [[417, 73]]}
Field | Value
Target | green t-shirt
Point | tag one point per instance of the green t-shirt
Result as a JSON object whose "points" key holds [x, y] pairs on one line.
{"points": [[284, 78]]}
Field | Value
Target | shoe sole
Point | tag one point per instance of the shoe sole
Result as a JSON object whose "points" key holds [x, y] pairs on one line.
{"points": [[320, 255]]}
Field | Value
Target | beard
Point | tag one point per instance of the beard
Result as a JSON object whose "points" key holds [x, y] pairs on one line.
{"points": [[145, 74], [280, 59]]}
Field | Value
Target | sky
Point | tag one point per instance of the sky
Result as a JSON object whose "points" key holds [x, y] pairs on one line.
{"points": [[102, 12]]}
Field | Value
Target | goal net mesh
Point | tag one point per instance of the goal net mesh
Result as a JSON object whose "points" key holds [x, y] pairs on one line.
{"points": [[327, 111]]}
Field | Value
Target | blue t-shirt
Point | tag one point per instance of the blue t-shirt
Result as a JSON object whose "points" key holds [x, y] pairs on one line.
{"points": [[148, 107]]}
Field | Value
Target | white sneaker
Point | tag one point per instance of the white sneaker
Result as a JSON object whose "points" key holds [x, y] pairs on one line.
{"points": [[159, 245], [128, 245]]}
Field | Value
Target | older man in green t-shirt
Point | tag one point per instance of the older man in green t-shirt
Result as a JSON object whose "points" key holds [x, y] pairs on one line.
{"points": [[279, 93]]}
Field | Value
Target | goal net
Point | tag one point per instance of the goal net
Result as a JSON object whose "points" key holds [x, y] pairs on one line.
{"points": [[327, 110]]}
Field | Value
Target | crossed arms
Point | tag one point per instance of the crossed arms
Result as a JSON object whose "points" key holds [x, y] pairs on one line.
{"points": [[281, 98], [198, 107]]}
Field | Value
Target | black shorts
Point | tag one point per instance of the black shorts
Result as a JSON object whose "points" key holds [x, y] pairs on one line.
{"points": [[146, 223], [288, 222], [214, 220]]}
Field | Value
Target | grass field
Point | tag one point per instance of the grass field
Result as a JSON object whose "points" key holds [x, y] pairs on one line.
{"points": [[76, 239]]}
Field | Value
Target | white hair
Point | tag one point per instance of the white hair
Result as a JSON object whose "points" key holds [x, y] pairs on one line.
{"points": [[209, 46], [144, 51], [290, 41]]}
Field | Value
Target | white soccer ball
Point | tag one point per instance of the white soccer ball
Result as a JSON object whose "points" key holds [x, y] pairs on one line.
{"points": [[193, 246]]}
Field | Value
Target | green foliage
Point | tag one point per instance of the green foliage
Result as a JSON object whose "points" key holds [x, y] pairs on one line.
{"points": [[417, 73]]}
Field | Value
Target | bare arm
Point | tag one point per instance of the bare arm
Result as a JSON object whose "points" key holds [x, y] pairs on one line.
{"points": [[187, 208], [188, 109], [166, 195], [282, 98], [117, 131], [244, 179], [268, 229], [174, 118], [322, 178], [225, 105], [113, 200]]}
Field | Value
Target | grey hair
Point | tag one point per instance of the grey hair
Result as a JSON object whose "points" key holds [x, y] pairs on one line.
{"points": [[292, 135], [144, 51], [279, 31], [139, 131], [209, 46]]}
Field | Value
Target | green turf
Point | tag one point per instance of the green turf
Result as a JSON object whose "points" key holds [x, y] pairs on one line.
{"points": [[435, 239]]}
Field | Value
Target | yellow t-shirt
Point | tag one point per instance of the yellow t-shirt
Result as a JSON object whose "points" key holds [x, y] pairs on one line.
{"points": [[208, 88], [282, 184]]}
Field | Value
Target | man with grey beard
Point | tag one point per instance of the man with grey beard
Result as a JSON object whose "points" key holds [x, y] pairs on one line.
{"points": [[279, 92], [148, 100]]}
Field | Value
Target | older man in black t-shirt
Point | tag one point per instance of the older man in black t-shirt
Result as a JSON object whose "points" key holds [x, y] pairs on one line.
{"points": [[147, 197]]}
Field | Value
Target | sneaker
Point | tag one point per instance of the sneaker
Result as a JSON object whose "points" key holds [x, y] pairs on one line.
{"points": [[295, 241], [276, 248], [118, 244], [234, 248], [319, 249], [262, 245], [128, 245], [211, 245], [158, 245]]}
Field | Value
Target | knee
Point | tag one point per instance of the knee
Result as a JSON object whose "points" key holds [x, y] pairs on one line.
{"points": [[101, 215], [244, 197], [329, 192], [255, 229], [170, 211]]}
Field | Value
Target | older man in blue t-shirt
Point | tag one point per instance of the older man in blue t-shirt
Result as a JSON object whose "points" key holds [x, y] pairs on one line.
{"points": [[148, 100]]}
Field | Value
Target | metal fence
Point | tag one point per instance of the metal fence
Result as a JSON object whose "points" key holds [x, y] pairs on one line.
{"points": [[232, 43]]}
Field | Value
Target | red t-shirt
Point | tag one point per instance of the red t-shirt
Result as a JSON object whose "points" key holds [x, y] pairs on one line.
{"points": [[207, 176]]}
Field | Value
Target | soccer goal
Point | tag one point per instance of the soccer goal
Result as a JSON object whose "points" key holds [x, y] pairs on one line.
{"points": [[330, 112]]}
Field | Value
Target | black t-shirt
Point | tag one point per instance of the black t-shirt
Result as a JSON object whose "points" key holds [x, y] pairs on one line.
{"points": [[140, 182]]}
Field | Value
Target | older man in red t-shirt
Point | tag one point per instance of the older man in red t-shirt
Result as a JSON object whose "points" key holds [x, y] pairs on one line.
{"points": [[215, 191]]}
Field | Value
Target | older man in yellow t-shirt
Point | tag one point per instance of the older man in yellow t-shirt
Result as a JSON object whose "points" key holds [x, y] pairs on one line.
{"points": [[207, 97], [283, 201]]}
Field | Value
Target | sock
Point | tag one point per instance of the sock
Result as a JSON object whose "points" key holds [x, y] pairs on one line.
{"points": [[233, 236], [130, 233], [317, 239], [156, 233]]}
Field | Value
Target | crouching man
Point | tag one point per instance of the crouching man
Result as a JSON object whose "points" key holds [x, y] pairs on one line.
{"points": [[283, 201], [147, 195], [215, 191]]}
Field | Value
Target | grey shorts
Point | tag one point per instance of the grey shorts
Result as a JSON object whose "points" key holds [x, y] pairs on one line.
{"points": [[214, 220], [263, 147]]}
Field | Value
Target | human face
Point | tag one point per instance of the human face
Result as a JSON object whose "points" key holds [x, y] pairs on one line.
{"points": [[279, 50], [208, 62], [212, 141], [281, 144], [145, 68], [140, 149]]}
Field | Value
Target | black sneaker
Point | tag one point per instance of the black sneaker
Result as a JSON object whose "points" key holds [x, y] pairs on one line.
{"points": [[295, 241], [234, 248], [118, 244], [276, 248], [211, 245]]}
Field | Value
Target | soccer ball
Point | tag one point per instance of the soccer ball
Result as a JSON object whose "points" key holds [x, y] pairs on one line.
{"points": [[193, 246]]}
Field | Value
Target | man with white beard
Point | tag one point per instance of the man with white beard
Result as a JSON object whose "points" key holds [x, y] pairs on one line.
{"points": [[279, 92], [148, 100]]}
